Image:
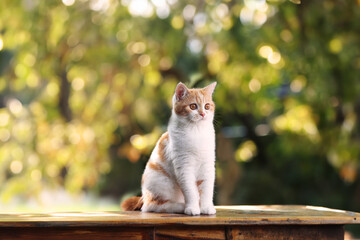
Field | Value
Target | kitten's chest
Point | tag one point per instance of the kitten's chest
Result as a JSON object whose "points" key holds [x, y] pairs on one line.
{"points": [[195, 140]]}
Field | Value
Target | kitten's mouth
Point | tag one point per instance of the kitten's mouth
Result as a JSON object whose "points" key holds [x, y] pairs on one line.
{"points": [[198, 119]]}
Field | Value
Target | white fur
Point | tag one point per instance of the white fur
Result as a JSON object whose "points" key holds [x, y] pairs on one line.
{"points": [[190, 157]]}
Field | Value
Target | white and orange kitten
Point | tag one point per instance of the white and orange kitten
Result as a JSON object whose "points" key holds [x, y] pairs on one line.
{"points": [[180, 174]]}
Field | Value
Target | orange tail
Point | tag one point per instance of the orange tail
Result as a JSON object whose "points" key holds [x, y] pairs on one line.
{"points": [[132, 204]]}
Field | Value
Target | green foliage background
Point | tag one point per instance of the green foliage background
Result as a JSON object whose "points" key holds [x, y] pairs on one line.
{"points": [[86, 90]]}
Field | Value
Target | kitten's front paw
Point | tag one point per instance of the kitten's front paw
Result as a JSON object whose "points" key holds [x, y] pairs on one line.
{"points": [[208, 210], [192, 211]]}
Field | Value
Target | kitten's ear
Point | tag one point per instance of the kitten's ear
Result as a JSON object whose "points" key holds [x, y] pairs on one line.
{"points": [[210, 88], [181, 91]]}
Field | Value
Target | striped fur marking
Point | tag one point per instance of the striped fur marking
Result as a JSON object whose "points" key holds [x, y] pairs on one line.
{"points": [[157, 167], [162, 144], [156, 200]]}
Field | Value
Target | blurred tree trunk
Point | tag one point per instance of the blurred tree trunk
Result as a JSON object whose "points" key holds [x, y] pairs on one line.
{"points": [[64, 97], [65, 87], [230, 170]]}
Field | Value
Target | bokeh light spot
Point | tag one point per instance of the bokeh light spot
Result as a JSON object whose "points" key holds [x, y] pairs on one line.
{"points": [[68, 2], [138, 47], [4, 119], [298, 84], [78, 83], [262, 129], [36, 175], [195, 45], [265, 51], [165, 63], [15, 106], [16, 167], [177, 22], [222, 10], [274, 58], [335, 45], [138, 142], [4, 135], [144, 60], [153, 78], [189, 12], [52, 89], [1, 43], [246, 151], [254, 85], [141, 8]]}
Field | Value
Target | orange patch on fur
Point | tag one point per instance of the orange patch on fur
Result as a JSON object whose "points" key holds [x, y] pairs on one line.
{"points": [[142, 179], [162, 144], [198, 97], [199, 182], [182, 109], [157, 167], [157, 200]]}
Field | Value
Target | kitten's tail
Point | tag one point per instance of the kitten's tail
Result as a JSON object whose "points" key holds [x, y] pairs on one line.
{"points": [[132, 204]]}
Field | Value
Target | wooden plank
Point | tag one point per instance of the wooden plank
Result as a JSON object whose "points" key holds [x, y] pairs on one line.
{"points": [[294, 232], [226, 215], [190, 233], [271, 232], [88, 233]]}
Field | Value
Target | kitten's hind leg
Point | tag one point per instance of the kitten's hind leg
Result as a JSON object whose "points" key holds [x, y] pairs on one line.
{"points": [[167, 202], [167, 207]]}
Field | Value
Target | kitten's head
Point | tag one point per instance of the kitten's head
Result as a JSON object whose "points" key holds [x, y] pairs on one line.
{"points": [[194, 104]]}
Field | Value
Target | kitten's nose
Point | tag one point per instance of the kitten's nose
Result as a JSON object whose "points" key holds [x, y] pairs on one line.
{"points": [[202, 114]]}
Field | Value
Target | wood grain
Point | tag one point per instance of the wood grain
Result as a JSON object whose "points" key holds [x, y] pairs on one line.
{"points": [[89, 233], [278, 232], [226, 215], [190, 232], [230, 222]]}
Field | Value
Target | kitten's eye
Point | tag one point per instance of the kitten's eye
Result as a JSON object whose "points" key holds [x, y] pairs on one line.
{"points": [[207, 106], [193, 106]]}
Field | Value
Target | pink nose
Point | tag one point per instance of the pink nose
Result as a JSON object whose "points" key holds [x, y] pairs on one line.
{"points": [[202, 114]]}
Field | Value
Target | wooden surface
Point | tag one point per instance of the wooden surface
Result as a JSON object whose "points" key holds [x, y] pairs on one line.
{"points": [[226, 215], [276, 232], [230, 222]]}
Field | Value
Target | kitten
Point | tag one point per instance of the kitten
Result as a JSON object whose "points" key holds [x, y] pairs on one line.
{"points": [[179, 176]]}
